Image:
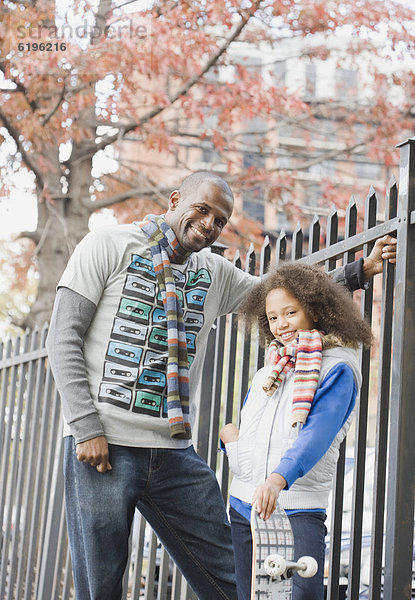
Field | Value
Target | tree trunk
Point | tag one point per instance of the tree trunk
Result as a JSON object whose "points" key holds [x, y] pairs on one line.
{"points": [[61, 225]]}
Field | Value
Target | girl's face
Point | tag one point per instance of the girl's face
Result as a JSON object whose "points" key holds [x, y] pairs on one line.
{"points": [[286, 315]]}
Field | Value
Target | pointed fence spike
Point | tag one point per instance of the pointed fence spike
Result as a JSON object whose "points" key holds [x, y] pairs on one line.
{"points": [[265, 256], [237, 260], [297, 245], [314, 235], [281, 247], [392, 200], [250, 262]]}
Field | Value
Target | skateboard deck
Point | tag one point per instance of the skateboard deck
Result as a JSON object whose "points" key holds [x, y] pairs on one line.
{"points": [[273, 557]]}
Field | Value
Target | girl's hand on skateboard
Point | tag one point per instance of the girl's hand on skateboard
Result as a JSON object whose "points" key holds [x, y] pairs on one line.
{"points": [[266, 495]]}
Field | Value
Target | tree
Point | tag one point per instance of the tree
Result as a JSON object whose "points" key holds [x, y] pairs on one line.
{"points": [[144, 87]]}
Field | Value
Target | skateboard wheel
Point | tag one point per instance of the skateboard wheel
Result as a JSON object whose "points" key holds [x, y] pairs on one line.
{"points": [[308, 566], [274, 565]]}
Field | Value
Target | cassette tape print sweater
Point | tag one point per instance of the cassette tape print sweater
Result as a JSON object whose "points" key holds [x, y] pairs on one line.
{"points": [[112, 347]]}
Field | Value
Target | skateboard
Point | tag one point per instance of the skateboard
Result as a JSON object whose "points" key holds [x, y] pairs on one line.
{"points": [[273, 562]]}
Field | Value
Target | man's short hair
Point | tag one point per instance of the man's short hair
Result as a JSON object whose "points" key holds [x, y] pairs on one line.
{"points": [[195, 179]]}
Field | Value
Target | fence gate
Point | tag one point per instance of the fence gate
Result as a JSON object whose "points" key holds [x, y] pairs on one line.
{"points": [[371, 521]]}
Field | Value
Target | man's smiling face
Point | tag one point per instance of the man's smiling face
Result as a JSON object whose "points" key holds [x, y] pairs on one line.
{"points": [[198, 217]]}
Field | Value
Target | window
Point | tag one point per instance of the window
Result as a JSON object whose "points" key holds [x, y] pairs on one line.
{"points": [[346, 83], [325, 168], [310, 80], [368, 170], [280, 71]]}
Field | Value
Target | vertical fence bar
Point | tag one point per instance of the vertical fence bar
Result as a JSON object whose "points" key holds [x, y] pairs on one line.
{"points": [[4, 435], [163, 581], [209, 401], [332, 228], [3, 398], [216, 389], [230, 363], [332, 236], [350, 228], [361, 423], [176, 584], [401, 468], [67, 582], [138, 540], [264, 261], [336, 527], [151, 567], [382, 415], [244, 366], [52, 504], [60, 523], [207, 398]]}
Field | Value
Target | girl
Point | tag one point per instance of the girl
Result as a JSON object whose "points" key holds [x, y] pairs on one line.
{"points": [[296, 413]]}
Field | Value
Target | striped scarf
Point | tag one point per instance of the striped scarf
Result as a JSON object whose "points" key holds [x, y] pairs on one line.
{"points": [[304, 356], [165, 249]]}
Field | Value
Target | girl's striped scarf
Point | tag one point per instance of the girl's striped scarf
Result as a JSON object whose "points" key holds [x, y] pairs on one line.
{"points": [[304, 356], [164, 250]]}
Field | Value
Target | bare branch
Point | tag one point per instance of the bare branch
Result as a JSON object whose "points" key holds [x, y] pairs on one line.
{"points": [[71, 90], [70, 243], [52, 112], [125, 4], [25, 156], [158, 194], [123, 196], [333, 154], [44, 236], [20, 88], [160, 13]]}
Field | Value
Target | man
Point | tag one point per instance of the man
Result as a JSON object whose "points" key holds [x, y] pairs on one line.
{"points": [[132, 315]]}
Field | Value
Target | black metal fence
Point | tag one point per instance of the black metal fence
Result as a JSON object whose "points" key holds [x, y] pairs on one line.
{"points": [[375, 475]]}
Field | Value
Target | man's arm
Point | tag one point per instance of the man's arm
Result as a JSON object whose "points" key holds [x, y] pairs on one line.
{"points": [[384, 249], [71, 317], [355, 275]]}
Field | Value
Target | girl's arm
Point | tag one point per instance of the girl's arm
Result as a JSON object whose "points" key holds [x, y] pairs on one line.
{"points": [[331, 407], [266, 495]]}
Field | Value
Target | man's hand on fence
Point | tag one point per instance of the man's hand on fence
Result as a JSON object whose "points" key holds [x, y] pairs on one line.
{"points": [[95, 453], [384, 249]]}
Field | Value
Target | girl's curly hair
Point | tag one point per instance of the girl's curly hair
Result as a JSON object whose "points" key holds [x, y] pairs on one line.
{"points": [[329, 302]]}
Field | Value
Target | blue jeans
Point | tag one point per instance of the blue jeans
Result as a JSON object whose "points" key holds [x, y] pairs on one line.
{"points": [[309, 533], [178, 495]]}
